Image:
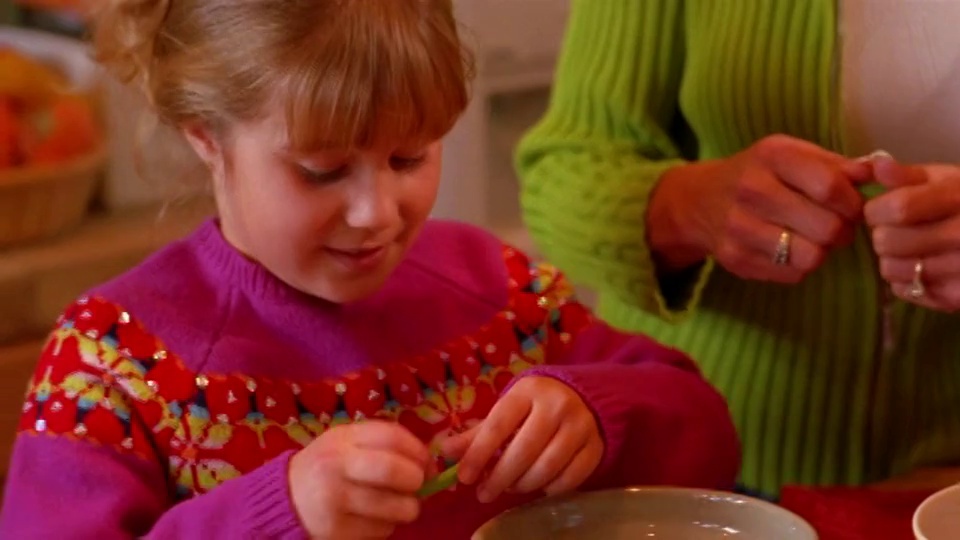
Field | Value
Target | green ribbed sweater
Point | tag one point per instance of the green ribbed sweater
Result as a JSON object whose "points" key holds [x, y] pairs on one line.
{"points": [[823, 392]]}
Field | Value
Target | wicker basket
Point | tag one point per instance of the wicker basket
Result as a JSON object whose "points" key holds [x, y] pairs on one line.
{"points": [[39, 202]]}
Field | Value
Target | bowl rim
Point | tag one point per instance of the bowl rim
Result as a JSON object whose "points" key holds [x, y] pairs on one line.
{"points": [[669, 490], [928, 503]]}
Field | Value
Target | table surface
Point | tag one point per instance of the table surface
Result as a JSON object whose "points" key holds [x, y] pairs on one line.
{"points": [[928, 479]]}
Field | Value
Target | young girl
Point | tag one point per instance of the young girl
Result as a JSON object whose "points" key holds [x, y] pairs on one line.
{"points": [[302, 364]]}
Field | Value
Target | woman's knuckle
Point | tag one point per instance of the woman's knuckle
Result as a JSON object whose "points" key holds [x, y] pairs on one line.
{"points": [[900, 209], [772, 146], [731, 254], [750, 191], [833, 230], [737, 226], [825, 190], [881, 240], [888, 270], [814, 259]]}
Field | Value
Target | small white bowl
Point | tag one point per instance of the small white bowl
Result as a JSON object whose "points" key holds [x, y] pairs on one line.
{"points": [[70, 56], [938, 517], [657, 513]]}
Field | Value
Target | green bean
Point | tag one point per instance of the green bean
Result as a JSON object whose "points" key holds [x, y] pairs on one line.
{"points": [[438, 483]]}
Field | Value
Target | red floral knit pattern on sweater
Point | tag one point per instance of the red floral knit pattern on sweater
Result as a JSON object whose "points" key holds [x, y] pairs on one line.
{"points": [[105, 379]]}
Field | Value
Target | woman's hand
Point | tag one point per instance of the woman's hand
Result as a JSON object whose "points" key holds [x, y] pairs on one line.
{"points": [[550, 441], [359, 481], [737, 210], [916, 231]]}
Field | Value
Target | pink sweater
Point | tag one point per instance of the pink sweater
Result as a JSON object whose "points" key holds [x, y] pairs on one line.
{"points": [[168, 402]]}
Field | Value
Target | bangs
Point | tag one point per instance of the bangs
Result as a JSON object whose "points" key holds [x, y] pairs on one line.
{"points": [[376, 74]]}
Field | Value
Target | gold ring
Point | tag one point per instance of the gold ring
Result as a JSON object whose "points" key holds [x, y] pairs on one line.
{"points": [[781, 257], [917, 288]]}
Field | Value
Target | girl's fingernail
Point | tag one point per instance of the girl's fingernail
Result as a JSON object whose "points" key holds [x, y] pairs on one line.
{"points": [[484, 496]]}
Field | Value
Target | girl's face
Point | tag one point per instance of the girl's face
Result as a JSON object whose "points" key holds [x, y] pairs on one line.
{"points": [[332, 223]]}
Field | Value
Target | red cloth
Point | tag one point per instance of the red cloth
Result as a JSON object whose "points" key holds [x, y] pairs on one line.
{"points": [[855, 513]]}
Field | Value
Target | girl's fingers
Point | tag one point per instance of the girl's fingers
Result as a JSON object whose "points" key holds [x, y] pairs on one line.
{"points": [[522, 452], [380, 504], [381, 435], [383, 469], [556, 457], [497, 428], [582, 466]]}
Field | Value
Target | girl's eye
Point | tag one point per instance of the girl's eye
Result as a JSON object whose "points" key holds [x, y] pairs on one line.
{"points": [[403, 163], [325, 176]]}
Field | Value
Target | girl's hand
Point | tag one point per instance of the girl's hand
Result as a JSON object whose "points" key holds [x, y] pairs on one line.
{"points": [[916, 231], [781, 194], [359, 481], [550, 439]]}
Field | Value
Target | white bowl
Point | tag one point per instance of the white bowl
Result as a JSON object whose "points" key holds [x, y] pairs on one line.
{"points": [[657, 513], [938, 517], [70, 56]]}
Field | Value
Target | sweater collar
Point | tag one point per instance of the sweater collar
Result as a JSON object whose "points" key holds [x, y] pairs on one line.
{"points": [[227, 266]]}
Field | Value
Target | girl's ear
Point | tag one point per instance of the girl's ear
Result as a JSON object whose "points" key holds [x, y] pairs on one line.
{"points": [[205, 144]]}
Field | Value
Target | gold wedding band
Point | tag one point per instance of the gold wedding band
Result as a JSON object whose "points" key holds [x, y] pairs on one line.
{"points": [[781, 257], [917, 288]]}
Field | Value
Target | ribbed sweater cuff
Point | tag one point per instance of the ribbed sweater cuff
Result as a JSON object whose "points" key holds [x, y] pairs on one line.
{"points": [[268, 509], [672, 297]]}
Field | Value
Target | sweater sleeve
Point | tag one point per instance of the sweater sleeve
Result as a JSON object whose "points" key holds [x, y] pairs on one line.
{"points": [[661, 422], [613, 127], [85, 463]]}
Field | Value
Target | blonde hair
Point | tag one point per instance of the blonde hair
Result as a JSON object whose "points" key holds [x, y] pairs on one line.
{"points": [[349, 73]]}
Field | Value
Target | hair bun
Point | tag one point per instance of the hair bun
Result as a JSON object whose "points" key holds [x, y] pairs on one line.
{"points": [[127, 39]]}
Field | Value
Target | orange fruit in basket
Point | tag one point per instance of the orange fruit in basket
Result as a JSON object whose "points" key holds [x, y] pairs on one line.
{"points": [[27, 80], [62, 131], [9, 134]]}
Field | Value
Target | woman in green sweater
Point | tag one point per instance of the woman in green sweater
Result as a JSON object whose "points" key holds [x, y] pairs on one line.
{"points": [[692, 168]]}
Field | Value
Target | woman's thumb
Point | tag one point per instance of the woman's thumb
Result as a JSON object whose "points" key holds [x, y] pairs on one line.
{"points": [[892, 174]]}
